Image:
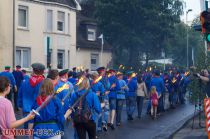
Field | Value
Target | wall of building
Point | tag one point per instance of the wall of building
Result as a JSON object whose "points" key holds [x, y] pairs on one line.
{"points": [[84, 57], [34, 37], [6, 33]]}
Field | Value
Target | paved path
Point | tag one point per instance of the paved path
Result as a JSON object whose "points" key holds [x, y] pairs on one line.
{"points": [[198, 132]]}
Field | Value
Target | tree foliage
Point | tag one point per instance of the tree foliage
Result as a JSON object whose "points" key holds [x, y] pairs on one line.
{"points": [[134, 27]]}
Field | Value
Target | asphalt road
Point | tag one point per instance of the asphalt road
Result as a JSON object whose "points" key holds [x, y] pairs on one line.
{"points": [[144, 128]]}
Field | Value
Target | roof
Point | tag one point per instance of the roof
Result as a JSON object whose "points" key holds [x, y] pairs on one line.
{"points": [[82, 41], [70, 3]]}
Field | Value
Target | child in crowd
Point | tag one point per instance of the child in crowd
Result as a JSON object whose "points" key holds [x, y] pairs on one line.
{"points": [[7, 115], [154, 101]]}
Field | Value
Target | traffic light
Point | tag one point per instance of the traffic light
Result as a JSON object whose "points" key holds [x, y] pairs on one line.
{"points": [[205, 24]]}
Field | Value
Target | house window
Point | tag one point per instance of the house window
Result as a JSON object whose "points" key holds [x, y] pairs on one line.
{"points": [[49, 20], [23, 16], [61, 21], [60, 57], [91, 34], [23, 57], [94, 61]]}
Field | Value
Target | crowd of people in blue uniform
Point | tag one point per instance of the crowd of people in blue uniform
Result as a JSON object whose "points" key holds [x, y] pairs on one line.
{"points": [[95, 100]]}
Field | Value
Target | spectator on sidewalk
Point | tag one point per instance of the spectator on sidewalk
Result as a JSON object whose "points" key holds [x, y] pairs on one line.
{"points": [[206, 78], [7, 115]]}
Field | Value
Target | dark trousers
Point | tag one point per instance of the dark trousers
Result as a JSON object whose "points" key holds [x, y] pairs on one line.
{"points": [[140, 101], [89, 127], [119, 110], [9, 96], [161, 104], [130, 105], [16, 99]]}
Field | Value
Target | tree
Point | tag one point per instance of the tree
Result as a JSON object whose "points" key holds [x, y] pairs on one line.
{"points": [[134, 27], [177, 46]]}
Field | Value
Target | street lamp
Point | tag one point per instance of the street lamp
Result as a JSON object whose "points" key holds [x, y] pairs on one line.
{"points": [[189, 10]]}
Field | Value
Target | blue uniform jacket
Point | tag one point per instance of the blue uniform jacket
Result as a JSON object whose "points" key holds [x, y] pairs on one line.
{"points": [[121, 93], [18, 77], [92, 100], [113, 91], [159, 84], [63, 93], [105, 82], [72, 80], [27, 95], [132, 85], [51, 118], [98, 87], [25, 77], [9, 76]]}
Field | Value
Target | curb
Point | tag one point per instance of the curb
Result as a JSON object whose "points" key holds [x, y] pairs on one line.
{"points": [[169, 132]]}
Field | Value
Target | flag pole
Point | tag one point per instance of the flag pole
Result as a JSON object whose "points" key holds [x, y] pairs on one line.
{"points": [[102, 48]]}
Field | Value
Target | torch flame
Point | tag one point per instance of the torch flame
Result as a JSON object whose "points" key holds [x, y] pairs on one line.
{"points": [[65, 86], [174, 80], [98, 79], [150, 69], [186, 73], [80, 81], [133, 75], [120, 66]]}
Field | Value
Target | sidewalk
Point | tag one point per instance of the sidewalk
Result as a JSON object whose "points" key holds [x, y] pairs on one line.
{"points": [[197, 132]]}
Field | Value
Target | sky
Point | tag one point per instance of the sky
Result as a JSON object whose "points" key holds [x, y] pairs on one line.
{"points": [[196, 9]]}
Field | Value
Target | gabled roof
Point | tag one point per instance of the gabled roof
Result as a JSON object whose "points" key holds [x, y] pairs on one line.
{"points": [[82, 41], [70, 3]]}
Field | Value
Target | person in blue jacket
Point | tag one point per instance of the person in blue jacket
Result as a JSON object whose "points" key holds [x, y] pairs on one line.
{"points": [[114, 87], [51, 117], [93, 105], [25, 76], [120, 97], [99, 90], [71, 79], [63, 81], [9, 75], [131, 95], [106, 84], [18, 75], [29, 89], [158, 82]]}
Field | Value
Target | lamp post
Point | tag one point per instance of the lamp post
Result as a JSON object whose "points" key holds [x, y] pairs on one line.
{"points": [[189, 10]]}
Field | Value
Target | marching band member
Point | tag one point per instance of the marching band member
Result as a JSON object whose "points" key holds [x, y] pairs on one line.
{"points": [[131, 95], [113, 97], [29, 89], [51, 117], [120, 97]]}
